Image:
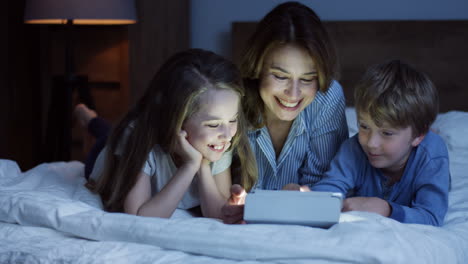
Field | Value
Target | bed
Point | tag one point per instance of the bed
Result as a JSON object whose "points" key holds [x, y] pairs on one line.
{"points": [[48, 216]]}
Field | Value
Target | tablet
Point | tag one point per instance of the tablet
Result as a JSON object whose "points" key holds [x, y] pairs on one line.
{"points": [[316, 209]]}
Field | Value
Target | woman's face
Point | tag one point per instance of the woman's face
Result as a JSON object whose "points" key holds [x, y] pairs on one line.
{"points": [[212, 127], [288, 82]]}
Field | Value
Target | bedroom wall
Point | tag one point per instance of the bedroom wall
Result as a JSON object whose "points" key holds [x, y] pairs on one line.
{"points": [[211, 19], [20, 89], [33, 54], [3, 77]]}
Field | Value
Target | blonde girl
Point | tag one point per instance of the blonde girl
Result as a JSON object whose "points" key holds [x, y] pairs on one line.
{"points": [[174, 148]]}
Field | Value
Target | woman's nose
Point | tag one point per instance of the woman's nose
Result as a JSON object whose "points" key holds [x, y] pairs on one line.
{"points": [[294, 89]]}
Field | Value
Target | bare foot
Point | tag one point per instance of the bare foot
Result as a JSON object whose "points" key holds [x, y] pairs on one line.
{"points": [[84, 114]]}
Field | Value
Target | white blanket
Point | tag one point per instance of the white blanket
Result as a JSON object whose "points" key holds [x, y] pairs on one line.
{"points": [[48, 216]]}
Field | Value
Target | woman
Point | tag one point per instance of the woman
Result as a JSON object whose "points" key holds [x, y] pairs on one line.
{"points": [[295, 108]]}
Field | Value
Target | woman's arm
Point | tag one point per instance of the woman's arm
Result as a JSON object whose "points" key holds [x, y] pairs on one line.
{"points": [[213, 191], [164, 203]]}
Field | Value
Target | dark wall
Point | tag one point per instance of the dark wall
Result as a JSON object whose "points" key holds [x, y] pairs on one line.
{"points": [[438, 48], [163, 29], [28, 65], [3, 80], [20, 90]]}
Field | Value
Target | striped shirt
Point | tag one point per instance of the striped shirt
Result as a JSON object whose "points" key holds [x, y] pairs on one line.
{"points": [[312, 142]]}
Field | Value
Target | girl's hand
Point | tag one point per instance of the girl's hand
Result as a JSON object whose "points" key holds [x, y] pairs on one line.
{"points": [[233, 210], [205, 164], [187, 152]]}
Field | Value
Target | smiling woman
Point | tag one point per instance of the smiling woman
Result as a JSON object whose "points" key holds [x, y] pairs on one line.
{"points": [[295, 108], [289, 83]]}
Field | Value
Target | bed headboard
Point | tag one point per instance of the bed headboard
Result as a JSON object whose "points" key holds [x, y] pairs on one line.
{"points": [[438, 48]]}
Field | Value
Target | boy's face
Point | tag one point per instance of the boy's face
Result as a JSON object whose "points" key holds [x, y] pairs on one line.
{"points": [[387, 148], [211, 129]]}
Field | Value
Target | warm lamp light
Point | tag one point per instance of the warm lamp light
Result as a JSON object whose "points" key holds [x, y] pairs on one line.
{"points": [[87, 12], [69, 13]]}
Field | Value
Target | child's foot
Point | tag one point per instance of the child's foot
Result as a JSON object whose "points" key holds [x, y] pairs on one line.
{"points": [[84, 114]]}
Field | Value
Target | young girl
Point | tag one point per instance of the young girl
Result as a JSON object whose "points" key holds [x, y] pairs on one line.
{"points": [[174, 148]]}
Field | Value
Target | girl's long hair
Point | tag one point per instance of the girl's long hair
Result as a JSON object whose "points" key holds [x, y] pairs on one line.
{"points": [[171, 97]]}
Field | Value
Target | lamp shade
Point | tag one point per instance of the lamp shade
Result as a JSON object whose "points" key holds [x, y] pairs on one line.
{"points": [[89, 12]]}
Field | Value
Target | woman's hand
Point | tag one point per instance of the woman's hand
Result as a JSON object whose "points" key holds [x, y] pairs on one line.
{"points": [[185, 150], [292, 187], [296, 187]]}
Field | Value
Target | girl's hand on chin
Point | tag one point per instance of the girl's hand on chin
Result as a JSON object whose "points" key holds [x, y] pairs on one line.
{"points": [[187, 152]]}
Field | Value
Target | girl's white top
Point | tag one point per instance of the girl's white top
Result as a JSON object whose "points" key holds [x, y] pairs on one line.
{"points": [[160, 167]]}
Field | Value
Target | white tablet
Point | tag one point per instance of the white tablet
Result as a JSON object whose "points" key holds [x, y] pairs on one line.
{"points": [[317, 209]]}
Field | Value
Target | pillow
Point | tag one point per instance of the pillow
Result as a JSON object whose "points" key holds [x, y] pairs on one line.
{"points": [[351, 119], [453, 128]]}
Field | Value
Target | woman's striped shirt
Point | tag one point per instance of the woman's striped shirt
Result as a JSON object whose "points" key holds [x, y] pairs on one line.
{"points": [[314, 138]]}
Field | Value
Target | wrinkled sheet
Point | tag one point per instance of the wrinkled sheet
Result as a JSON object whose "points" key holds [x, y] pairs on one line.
{"points": [[48, 216]]}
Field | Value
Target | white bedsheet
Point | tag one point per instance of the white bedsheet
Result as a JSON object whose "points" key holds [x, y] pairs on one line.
{"points": [[48, 216]]}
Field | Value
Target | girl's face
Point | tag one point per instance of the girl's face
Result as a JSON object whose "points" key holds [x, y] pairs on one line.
{"points": [[211, 129], [386, 147], [288, 83]]}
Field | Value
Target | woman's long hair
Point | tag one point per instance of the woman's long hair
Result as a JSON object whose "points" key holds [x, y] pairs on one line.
{"points": [[171, 98], [287, 23]]}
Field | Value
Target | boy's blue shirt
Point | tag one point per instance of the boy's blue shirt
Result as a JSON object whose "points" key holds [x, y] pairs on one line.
{"points": [[421, 195]]}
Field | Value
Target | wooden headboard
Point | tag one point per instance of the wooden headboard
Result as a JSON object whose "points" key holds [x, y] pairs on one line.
{"points": [[438, 48]]}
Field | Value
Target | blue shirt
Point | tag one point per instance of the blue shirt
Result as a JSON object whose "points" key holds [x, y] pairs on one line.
{"points": [[313, 140], [421, 195]]}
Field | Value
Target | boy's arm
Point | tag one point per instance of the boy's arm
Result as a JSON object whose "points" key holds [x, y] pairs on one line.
{"points": [[430, 202], [344, 169], [367, 204], [326, 138]]}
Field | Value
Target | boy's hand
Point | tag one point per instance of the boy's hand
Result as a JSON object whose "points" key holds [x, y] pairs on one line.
{"points": [[233, 210], [186, 151], [367, 204]]}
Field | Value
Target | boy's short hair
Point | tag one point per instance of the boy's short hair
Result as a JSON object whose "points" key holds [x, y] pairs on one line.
{"points": [[396, 93]]}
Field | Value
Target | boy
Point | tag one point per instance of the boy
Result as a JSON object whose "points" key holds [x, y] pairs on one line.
{"points": [[395, 166]]}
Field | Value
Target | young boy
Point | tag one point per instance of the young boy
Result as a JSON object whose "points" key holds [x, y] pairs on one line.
{"points": [[395, 166]]}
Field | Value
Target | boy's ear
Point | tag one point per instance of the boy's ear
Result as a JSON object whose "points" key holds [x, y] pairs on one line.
{"points": [[417, 140]]}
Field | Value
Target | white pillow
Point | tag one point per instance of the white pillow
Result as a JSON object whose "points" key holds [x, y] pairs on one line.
{"points": [[453, 128], [351, 119]]}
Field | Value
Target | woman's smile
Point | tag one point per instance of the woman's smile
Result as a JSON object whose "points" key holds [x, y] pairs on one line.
{"points": [[289, 82], [292, 106]]}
